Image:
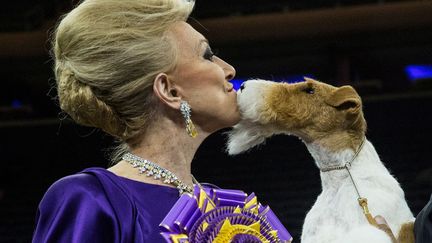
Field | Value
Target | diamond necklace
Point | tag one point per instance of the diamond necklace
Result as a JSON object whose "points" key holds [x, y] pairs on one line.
{"points": [[158, 173]]}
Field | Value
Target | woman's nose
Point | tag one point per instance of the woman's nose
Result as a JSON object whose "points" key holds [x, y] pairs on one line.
{"points": [[229, 70]]}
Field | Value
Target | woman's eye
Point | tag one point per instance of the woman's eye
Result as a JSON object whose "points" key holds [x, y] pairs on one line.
{"points": [[208, 54]]}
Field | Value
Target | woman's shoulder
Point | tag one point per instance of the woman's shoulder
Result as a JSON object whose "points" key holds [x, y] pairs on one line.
{"points": [[91, 183], [86, 180], [76, 189], [79, 178], [91, 191], [77, 204]]}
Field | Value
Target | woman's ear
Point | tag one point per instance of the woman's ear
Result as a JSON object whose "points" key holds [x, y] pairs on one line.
{"points": [[166, 91]]}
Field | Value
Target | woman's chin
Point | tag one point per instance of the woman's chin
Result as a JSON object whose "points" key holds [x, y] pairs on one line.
{"points": [[226, 125], [233, 121]]}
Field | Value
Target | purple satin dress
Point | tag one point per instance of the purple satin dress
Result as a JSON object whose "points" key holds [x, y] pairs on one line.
{"points": [[96, 205]]}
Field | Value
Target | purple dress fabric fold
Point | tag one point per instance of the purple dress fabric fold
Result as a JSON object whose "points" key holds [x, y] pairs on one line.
{"points": [[96, 205]]}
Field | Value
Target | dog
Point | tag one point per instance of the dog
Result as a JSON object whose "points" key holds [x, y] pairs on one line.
{"points": [[330, 122]]}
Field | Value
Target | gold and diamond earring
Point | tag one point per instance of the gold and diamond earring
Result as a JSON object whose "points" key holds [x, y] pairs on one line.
{"points": [[186, 112]]}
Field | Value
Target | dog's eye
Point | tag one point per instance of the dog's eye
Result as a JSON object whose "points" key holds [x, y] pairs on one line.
{"points": [[309, 90]]}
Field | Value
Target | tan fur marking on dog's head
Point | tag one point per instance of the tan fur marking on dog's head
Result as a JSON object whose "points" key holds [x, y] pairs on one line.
{"points": [[315, 111]]}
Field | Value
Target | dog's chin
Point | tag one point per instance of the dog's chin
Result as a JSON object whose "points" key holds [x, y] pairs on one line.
{"points": [[245, 136]]}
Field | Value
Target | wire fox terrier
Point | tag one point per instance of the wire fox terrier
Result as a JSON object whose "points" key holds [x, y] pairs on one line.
{"points": [[330, 121]]}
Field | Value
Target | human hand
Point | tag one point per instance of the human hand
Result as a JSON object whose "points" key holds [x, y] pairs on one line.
{"points": [[382, 225]]}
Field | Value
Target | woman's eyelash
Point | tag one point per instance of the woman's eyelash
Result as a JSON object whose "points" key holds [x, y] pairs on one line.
{"points": [[208, 54]]}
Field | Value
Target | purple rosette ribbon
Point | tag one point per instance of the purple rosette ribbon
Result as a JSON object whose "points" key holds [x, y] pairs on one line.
{"points": [[221, 215]]}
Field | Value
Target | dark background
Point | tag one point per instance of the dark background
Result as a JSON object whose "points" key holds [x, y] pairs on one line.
{"points": [[366, 44]]}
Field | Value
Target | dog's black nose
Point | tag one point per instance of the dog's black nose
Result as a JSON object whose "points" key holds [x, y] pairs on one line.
{"points": [[242, 86]]}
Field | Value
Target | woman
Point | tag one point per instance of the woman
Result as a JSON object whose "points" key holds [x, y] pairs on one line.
{"points": [[136, 70]]}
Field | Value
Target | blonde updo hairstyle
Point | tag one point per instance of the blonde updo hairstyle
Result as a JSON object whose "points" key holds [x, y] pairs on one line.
{"points": [[107, 54]]}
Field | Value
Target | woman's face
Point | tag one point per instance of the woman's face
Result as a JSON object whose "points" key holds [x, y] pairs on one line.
{"points": [[201, 79]]}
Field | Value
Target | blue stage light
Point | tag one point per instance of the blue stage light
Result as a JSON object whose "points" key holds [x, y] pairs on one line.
{"points": [[236, 83], [287, 79], [416, 72], [16, 104]]}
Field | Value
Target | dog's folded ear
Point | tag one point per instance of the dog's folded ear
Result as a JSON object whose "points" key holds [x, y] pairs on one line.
{"points": [[346, 99]]}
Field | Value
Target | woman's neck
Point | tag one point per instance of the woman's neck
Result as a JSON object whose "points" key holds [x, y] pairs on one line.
{"points": [[168, 145]]}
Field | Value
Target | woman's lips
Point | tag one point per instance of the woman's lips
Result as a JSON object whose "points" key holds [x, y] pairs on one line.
{"points": [[230, 88]]}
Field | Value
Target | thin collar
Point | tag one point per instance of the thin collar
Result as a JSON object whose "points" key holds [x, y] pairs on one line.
{"points": [[347, 165]]}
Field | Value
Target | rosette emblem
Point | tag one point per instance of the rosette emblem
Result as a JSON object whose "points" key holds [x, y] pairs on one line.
{"points": [[220, 216]]}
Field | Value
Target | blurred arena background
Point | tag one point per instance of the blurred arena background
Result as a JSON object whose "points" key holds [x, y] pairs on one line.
{"points": [[381, 47]]}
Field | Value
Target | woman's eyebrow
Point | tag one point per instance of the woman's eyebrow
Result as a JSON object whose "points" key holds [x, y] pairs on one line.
{"points": [[205, 41], [200, 43]]}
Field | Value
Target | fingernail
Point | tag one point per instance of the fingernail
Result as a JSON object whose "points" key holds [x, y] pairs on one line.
{"points": [[380, 220]]}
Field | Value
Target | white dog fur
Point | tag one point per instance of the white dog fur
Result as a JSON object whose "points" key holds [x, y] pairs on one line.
{"points": [[336, 215]]}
